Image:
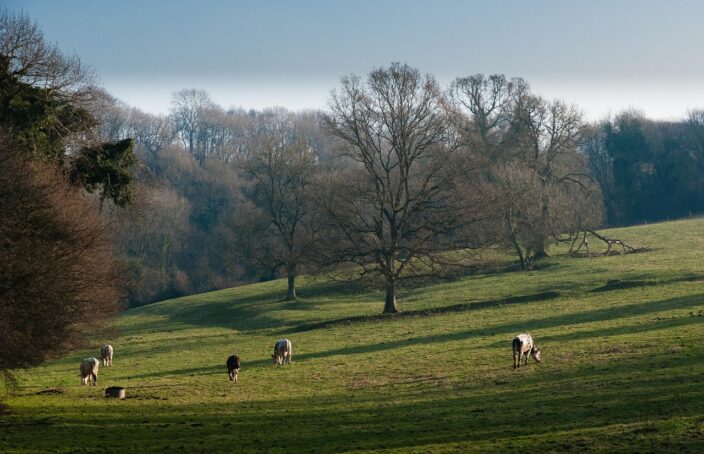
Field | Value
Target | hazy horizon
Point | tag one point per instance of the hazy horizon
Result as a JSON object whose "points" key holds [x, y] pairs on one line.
{"points": [[603, 56]]}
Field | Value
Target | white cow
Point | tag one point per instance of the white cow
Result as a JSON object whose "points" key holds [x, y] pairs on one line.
{"points": [[282, 350], [89, 371], [522, 346], [106, 354]]}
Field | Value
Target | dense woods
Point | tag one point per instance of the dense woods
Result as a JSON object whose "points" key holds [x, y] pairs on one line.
{"points": [[235, 196], [397, 172]]}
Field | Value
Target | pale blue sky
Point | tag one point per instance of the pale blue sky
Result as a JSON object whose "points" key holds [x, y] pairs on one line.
{"points": [[602, 55]]}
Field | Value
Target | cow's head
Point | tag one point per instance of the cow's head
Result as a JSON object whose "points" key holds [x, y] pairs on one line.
{"points": [[535, 353], [276, 359]]}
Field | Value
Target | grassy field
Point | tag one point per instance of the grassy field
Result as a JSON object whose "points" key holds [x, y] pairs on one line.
{"points": [[623, 365]]}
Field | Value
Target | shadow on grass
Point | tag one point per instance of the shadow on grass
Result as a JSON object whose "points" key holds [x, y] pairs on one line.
{"points": [[240, 313], [425, 312], [619, 284], [510, 329], [259, 312], [214, 369], [607, 407]]}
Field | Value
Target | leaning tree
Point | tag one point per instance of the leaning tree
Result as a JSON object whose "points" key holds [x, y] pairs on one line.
{"points": [[399, 203]]}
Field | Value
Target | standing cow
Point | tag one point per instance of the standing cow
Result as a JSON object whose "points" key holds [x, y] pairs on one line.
{"points": [[106, 355], [233, 367], [522, 346], [282, 350], [89, 371]]}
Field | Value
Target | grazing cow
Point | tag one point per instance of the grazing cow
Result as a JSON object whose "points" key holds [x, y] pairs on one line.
{"points": [[106, 354], [233, 367], [282, 350], [89, 371], [522, 346]]}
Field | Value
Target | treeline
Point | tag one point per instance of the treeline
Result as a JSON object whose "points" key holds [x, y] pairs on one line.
{"points": [[197, 223], [234, 196], [648, 170], [397, 173], [399, 178]]}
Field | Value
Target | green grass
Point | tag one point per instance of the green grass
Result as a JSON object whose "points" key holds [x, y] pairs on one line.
{"points": [[622, 368]]}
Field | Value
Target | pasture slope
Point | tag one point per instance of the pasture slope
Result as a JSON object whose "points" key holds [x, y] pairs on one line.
{"points": [[623, 366]]}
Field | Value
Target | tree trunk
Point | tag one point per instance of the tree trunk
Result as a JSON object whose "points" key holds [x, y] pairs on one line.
{"points": [[390, 303], [516, 245], [519, 252], [542, 240], [291, 294], [541, 245], [164, 265]]}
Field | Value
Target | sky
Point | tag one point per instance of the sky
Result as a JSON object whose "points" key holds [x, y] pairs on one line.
{"points": [[603, 55]]}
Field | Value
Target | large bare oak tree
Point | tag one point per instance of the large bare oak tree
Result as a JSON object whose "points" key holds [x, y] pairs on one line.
{"points": [[397, 203]]}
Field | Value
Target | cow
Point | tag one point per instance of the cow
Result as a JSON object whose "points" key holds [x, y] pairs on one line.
{"points": [[282, 350], [106, 355], [89, 371], [233, 367], [522, 346]]}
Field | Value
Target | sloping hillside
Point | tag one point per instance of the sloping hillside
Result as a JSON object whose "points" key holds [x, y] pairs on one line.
{"points": [[622, 365]]}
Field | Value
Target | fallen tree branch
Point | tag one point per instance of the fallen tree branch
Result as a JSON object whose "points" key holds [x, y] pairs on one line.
{"points": [[610, 243]]}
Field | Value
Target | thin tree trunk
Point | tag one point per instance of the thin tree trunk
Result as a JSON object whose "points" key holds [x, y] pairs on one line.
{"points": [[390, 303], [163, 266], [516, 245], [519, 252], [541, 243], [291, 294]]}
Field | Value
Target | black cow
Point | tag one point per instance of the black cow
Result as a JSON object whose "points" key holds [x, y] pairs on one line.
{"points": [[233, 367]]}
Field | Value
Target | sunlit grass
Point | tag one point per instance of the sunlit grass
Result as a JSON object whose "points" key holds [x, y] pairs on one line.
{"points": [[622, 368]]}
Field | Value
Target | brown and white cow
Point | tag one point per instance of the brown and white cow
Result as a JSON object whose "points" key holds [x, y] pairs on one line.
{"points": [[89, 371], [233, 367], [522, 346], [282, 350], [106, 352]]}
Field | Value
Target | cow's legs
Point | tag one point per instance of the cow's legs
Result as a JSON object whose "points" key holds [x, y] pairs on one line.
{"points": [[516, 361], [526, 362]]}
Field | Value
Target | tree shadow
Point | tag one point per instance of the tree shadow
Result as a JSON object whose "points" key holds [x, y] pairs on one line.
{"points": [[554, 411], [534, 325], [476, 305]]}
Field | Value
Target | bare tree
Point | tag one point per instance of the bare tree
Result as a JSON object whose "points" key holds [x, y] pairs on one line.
{"points": [[188, 108], [281, 164], [546, 136], [482, 111], [531, 151], [396, 204], [601, 167], [518, 207], [36, 62]]}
